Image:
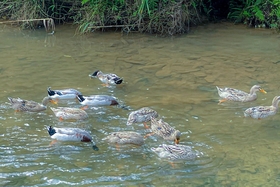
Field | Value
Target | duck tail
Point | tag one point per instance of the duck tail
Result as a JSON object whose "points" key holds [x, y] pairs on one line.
{"points": [[11, 100], [94, 74], [51, 131], [118, 81], [50, 92], [80, 98]]}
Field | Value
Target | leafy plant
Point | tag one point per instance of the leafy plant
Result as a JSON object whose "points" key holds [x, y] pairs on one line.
{"points": [[257, 13]]}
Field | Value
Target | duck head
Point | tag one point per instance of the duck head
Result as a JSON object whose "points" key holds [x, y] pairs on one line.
{"points": [[177, 137], [51, 131], [95, 148]]}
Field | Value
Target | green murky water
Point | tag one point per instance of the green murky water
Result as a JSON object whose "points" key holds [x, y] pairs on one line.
{"points": [[175, 76]]}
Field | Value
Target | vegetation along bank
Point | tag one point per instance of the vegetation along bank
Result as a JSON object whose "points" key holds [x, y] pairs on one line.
{"points": [[166, 17]]}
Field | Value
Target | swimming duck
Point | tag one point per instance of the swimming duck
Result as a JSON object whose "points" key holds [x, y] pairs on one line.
{"points": [[125, 137], [97, 100], [71, 134], [63, 94], [233, 94], [31, 106], [259, 112], [143, 115], [175, 152], [107, 79], [68, 113], [164, 130]]}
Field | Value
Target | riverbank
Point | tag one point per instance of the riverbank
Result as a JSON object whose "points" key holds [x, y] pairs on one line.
{"points": [[155, 17]]}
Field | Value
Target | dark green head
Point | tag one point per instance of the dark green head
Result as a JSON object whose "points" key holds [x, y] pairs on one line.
{"points": [[95, 148], [51, 131]]}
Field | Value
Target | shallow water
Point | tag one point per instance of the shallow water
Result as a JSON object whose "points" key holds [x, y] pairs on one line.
{"points": [[175, 76]]}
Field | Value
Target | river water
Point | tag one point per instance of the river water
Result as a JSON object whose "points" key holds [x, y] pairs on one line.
{"points": [[175, 76]]}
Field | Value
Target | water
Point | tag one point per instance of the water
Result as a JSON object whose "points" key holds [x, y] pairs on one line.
{"points": [[175, 76]]}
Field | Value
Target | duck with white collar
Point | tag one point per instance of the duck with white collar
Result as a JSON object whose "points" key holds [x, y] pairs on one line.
{"points": [[97, 100], [68, 93], [71, 134]]}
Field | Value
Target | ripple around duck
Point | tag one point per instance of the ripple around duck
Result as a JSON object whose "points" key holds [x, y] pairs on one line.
{"points": [[129, 165]]}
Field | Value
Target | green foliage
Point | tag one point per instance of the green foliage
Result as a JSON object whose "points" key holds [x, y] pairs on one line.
{"points": [[154, 16], [257, 13]]}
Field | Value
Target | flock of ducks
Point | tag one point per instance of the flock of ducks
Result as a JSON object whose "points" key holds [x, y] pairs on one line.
{"points": [[144, 115], [257, 112]]}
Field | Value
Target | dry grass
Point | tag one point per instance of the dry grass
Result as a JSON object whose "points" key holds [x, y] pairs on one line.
{"points": [[48, 23]]}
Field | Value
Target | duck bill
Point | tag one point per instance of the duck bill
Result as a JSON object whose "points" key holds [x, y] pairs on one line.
{"points": [[177, 141], [263, 91], [54, 101]]}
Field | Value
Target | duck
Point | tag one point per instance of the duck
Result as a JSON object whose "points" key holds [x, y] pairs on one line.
{"points": [[175, 152], [68, 113], [164, 130], [20, 105], [97, 100], [71, 134], [107, 79], [142, 115], [233, 94], [125, 137], [259, 112], [68, 93]]}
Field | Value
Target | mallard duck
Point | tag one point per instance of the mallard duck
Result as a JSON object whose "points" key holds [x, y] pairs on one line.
{"points": [[125, 137], [143, 115], [259, 112], [107, 79], [97, 100], [63, 94], [71, 134], [164, 130], [30, 106], [67, 113], [232, 94], [175, 152]]}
